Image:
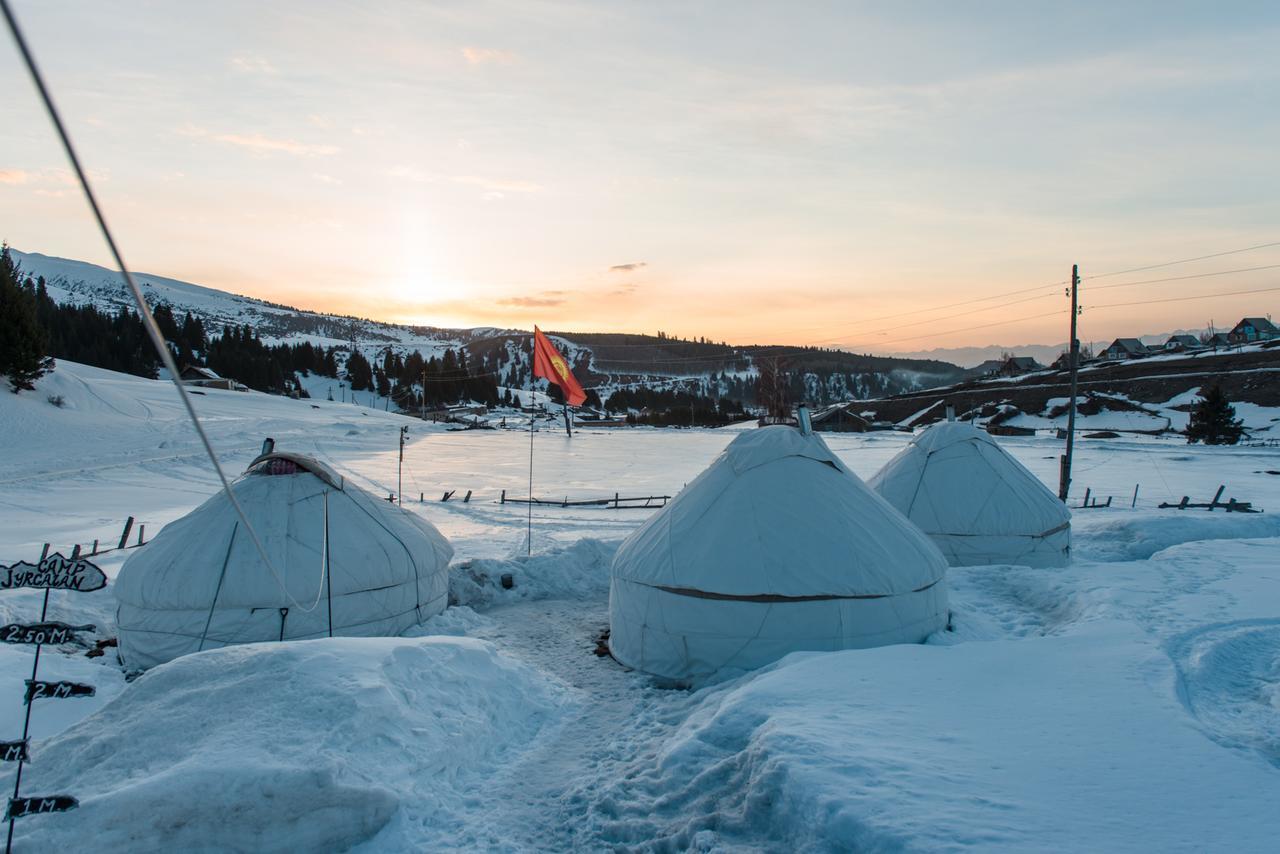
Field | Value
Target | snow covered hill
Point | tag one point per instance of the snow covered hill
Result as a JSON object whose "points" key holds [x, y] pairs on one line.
{"points": [[602, 361], [1126, 702]]}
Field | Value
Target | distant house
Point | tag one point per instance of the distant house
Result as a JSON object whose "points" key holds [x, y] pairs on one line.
{"points": [[1126, 348], [989, 368], [1182, 342], [839, 419], [1253, 329], [204, 378], [1016, 366], [1217, 339]]}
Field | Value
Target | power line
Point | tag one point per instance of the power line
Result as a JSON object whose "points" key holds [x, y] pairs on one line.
{"points": [[1184, 278], [1183, 299], [1183, 261]]}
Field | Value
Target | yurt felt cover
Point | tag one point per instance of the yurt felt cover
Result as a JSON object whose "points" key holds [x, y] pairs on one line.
{"points": [[201, 583], [978, 503], [777, 546]]}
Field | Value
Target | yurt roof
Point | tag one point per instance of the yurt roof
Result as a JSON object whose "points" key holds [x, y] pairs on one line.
{"points": [[778, 515], [307, 464], [956, 479], [182, 567]]}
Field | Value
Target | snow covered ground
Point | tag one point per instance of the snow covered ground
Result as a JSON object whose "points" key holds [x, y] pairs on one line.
{"points": [[1130, 701]]}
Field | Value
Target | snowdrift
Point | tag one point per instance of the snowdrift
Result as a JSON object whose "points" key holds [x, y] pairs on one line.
{"points": [[309, 746], [979, 504], [776, 547], [349, 564], [1073, 743]]}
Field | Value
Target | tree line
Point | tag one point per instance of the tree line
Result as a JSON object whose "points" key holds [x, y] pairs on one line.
{"points": [[35, 330]]}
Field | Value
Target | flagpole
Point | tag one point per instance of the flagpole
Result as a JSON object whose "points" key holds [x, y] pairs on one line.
{"points": [[529, 523]]}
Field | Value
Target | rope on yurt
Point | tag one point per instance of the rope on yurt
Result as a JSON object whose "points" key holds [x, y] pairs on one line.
{"points": [[144, 310], [325, 560], [217, 590], [417, 588]]}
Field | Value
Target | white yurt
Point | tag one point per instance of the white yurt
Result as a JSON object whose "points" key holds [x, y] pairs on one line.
{"points": [[979, 504], [776, 547], [343, 562]]}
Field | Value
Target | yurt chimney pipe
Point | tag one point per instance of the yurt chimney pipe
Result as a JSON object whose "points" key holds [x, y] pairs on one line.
{"points": [[268, 445], [802, 417], [951, 412]]}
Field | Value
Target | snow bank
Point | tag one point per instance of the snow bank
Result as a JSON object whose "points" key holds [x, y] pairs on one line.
{"points": [[305, 746], [1076, 742], [579, 571], [1140, 535]]}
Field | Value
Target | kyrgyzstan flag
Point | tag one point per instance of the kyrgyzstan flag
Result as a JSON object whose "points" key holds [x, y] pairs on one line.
{"points": [[550, 365]]}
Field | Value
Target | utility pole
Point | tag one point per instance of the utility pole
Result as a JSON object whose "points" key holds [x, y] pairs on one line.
{"points": [[404, 431], [424, 394], [1064, 471]]}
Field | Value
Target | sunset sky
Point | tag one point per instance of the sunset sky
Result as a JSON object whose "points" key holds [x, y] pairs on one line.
{"points": [[756, 172]]}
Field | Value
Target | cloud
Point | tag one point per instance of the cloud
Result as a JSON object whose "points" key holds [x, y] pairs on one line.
{"points": [[252, 64], [547, 299], [14, 176], [258, 142], [497, 185], [325, 179], [487, 55], [628, 268], [494, 188]]}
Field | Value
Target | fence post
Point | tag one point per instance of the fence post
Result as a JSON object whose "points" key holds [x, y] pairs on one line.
{"points": [[124, 537], [615, 501], [95, 547], [75, 552], [142, 530], [503, 499], [467, 497], [1135, 495]]}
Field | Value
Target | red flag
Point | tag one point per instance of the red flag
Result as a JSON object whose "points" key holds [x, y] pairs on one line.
{"points": [[550, 365]]}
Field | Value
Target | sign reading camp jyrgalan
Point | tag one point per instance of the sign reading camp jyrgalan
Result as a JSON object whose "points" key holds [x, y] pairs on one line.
{"points": [[54, 572]]}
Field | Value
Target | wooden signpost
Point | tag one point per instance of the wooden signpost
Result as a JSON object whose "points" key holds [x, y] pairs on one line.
{"points": [[51, 572]]}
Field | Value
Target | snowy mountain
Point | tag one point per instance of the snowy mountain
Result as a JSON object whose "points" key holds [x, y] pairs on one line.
{"points": [[603, 361], [969, 357]]}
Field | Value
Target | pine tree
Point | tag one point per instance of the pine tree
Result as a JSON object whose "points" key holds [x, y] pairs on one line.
{"points": [[23, 343], [1213, 420]]}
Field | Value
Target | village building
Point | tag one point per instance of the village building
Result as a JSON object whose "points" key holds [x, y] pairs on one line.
{"points": [[1016, 366], [989, 368], [1126, 348], [1182, 342], [840, 419], [1252, 329], [195, 375]]}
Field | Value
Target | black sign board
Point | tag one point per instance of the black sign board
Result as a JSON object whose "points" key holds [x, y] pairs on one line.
{"points": [[37, 690], [51, 632], [14, 751], [54, 572], [22, 807]]}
